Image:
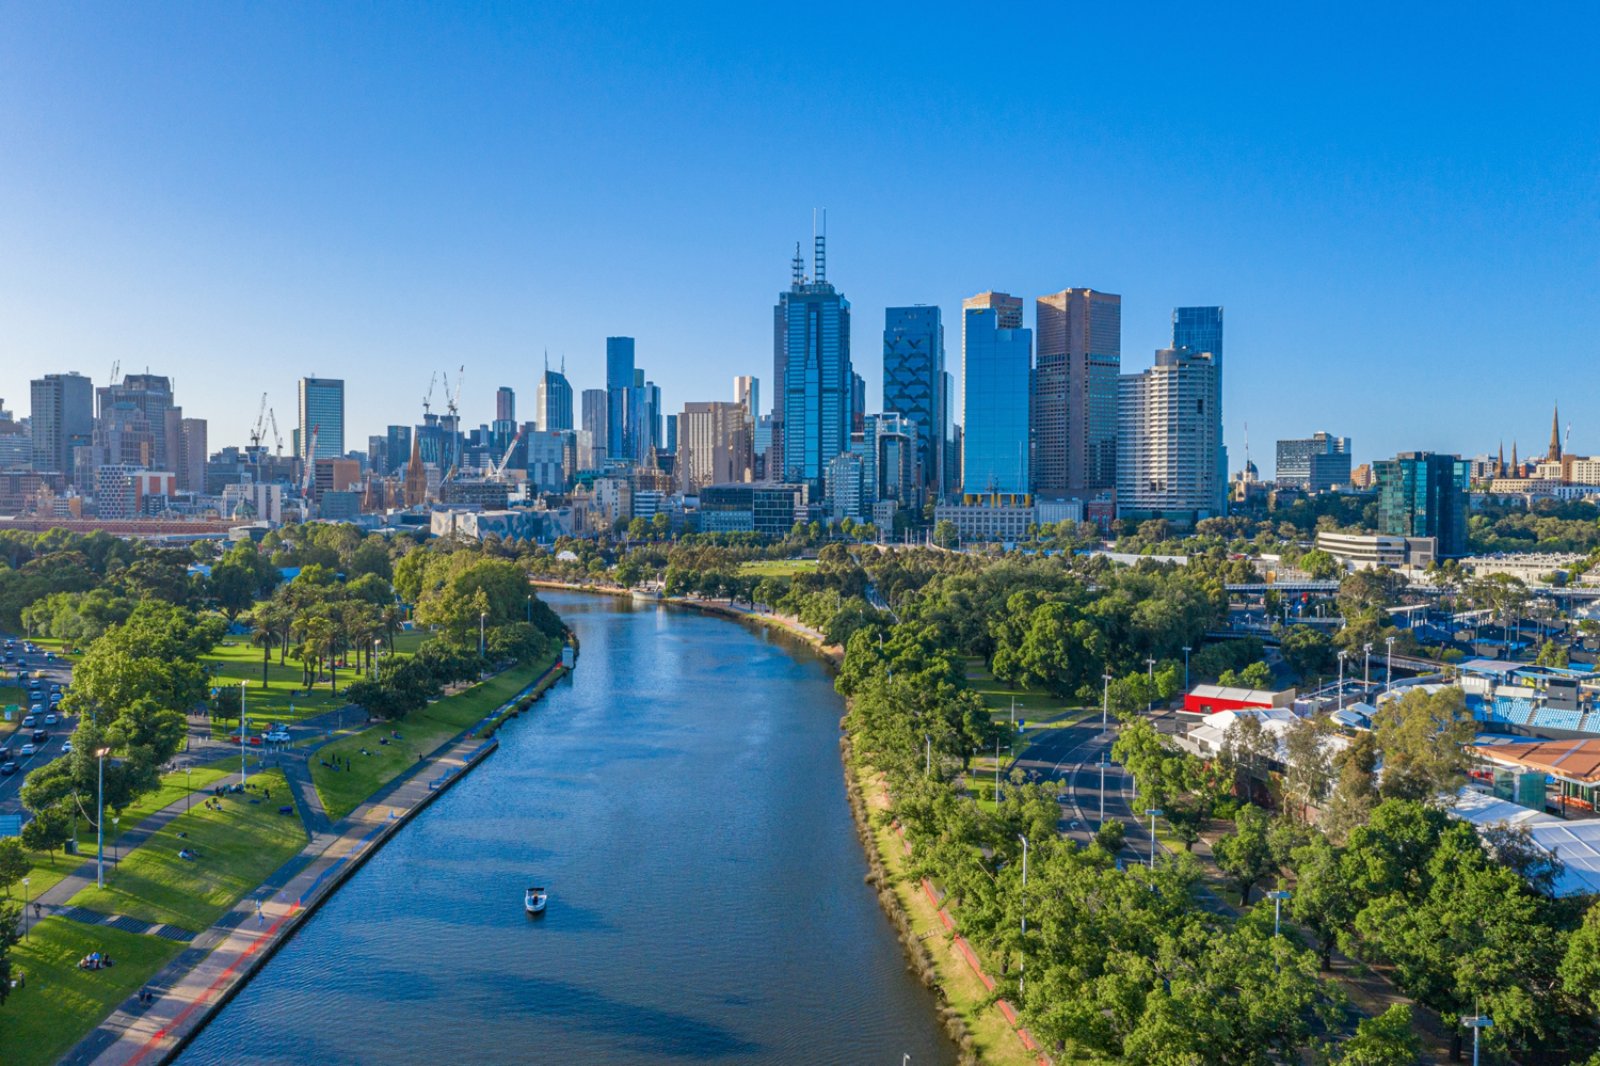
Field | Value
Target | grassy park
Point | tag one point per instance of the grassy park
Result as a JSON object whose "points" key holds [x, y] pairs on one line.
{"points": [[60, 1002], [422, 731], [238, 847], [778, 567], [284, 698]]}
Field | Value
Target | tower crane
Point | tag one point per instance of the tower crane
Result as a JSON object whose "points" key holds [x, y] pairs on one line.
{"points": [[500, 467], [277, 437], [259, 430], [453, 407], [427, 400], [308, 482]]}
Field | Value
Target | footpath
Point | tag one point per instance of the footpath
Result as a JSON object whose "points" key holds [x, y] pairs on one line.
{"points": [[221, 959]]}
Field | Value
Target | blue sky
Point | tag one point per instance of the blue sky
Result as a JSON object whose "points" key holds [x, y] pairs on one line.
{"points": [[1400, 212]]}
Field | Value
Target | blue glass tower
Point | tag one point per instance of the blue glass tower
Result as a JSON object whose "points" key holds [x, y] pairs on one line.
{"points": [[913, 382], [813, 409], [997, 372], [619, 382], [1199, 329]]}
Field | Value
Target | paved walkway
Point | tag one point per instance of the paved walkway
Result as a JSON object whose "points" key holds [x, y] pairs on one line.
{"points": [[241, 940]]}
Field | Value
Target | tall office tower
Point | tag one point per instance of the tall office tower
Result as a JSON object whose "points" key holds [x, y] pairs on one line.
{"points": [[378, 455], [812, 403], [672, 435], [996, 374], [713, 445], [914, 381], [1424, 494], [596, 409], [131, 421], [552, 404], [1167, 438], [505, 402], [398, 449], [1199, 329], [761, 446], [1075, 392], [190, 461], [1315, 464], [619, 385], [858, 401], [322, 409], [950, 473], [747, 391], [889, 457], [61, 419]]}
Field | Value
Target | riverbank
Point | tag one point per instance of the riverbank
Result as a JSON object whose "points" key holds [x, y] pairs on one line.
{"points": [[220, 961], [982, 1031]]}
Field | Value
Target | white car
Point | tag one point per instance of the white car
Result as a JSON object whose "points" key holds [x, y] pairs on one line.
{"points": [[26, 749], [277, 736], [66, 747], [51, 718]]}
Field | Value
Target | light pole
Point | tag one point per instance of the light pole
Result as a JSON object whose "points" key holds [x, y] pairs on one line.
{"points": [[1388, 670], [1154, 813], [1022, 958], [116, 831], [1277, 899], [997, 771], [188, 785], [26, 881], [1475, 1023], [1366, 668], [1342, 654], [1102, 789], [1186, 669], [927, 766], [482, 615], [244, 771], [530, 622], [1151, 664], [100, 823], [1105, 703]]}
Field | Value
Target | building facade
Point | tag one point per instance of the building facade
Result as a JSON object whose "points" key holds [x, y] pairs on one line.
{"points": [[1168, 434], [813, 408], [1074, 417], [1199, 329], [714, 445], [619, 386], [322, 409], [997, 370], [1316, 463], [553, 400], [1424, 494], [61, 420], [914, 381]]}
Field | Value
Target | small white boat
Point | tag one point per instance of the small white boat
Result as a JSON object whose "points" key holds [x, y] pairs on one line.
{"points": [[535, 899]]}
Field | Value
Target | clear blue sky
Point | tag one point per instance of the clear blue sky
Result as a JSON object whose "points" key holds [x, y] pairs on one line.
{"points": [[1400, 211]]}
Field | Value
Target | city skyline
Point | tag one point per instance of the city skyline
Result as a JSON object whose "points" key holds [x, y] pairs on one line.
{"points": [[1347, 256]]}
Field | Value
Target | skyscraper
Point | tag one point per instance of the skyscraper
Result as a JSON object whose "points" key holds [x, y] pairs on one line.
{"points": [[713, 445], [61, 419], [1167, 440], [1075, 392], [619, 383], [596, 404], [190, 461], [505, 403], [996, 372], [1316, 464], [132, 422], [398, 450], [914, 383], [552, 404], [747, 391], [812, 405], [1424, 494], [322, 409], [1199, 329]]}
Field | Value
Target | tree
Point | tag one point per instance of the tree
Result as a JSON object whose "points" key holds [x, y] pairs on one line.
{"points": [[1310, 768], [10, 915], [1355, 790], [1580, 969], [945, 534], [1307, 650], [1246, 854], [1322, 900], [1552, 654], [1111, 835], [1387, 1040], [1426, 739], [265, 639], [47, 830], [14, 865]]}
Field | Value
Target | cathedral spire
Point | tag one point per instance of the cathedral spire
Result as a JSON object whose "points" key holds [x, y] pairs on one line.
{"points": [[1555, 435]]}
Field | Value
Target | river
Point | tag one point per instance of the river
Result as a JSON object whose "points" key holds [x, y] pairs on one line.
{"points": [[681, 797]]}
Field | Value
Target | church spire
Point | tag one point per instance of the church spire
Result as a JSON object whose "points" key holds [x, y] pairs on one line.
{"points": [[1500, 468], [1555, 435]]}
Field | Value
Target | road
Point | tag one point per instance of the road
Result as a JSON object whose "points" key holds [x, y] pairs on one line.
{"points": [[57, 670]]}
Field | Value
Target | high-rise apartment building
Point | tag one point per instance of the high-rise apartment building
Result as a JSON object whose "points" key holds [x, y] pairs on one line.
{"points": [[322, 410], [1424, 494], [815, 393], [61, 419], [1316, 464], [131, 424], [553, 400], [713, 445], [996, 371], [189, 461], [1167, 437], [1075, 392], [747, 391], [619, 386], [505, 403], [1199, 329], [914, 381], [397, 452]]}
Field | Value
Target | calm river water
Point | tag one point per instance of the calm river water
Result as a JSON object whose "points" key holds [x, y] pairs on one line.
{"points": [[681, 797]]}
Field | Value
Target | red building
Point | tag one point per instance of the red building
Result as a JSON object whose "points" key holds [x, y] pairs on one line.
{"points": [[1209, 699]]}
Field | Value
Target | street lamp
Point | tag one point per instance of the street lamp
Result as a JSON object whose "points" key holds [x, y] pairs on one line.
{"points": [[26, 881], [530, 619], [244, 771], [1186, 668], [1366, 668], [100, 822], [1154, 813], [1105, 705], [482, 616], [1342, 654], [1102, 789], [188, 785], [1277, 899], [1476, 1022], [1388, 670], [116, 831], [1022, 958], [1151, 663]]}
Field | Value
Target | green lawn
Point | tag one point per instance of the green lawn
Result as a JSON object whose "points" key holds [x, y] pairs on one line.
{"points": [[1037, 708], [342, 791], [778, 567], [236, 659], [61, 1003], [239, 846]]}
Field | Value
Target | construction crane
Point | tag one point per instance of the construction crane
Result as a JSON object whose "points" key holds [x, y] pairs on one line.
{"points": [[116, 370], [277, 437], [500, 467], [427, 400], [259, 431], [452, 405]]}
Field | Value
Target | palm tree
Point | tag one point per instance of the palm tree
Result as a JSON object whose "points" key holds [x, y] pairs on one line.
{"points": [[390, 618], [266, 639]]}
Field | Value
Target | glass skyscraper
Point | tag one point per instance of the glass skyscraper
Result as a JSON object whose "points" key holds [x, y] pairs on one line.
{"points": [[619, 383], [552, 400], [1199, 329], [914, 381], [62, 419], [997, 387], [813, 405], [322, 409], [1424, 494], [1075, 392]]}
